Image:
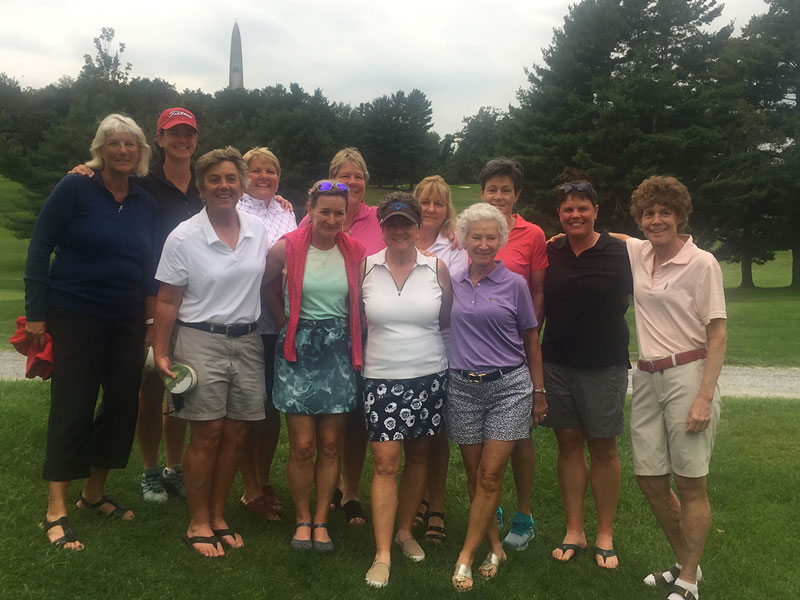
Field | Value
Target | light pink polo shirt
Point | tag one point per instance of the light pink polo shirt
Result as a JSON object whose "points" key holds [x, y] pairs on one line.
{"points": [[676, 302], [365, 228]]}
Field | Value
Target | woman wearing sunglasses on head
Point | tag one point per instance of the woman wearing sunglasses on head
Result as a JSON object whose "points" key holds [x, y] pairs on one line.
{"points": [[318, 352], [585, 354]]}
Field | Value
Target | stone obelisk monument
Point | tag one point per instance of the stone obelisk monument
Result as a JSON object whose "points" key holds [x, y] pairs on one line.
{"points": [[236, 80]]}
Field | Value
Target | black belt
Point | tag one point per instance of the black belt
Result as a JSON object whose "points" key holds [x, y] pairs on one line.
{"points": [[484, 377], [229, 330]]}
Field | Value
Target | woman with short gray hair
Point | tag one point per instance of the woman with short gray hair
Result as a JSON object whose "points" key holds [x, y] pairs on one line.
{"points": [[496, 388], [93, 300]]}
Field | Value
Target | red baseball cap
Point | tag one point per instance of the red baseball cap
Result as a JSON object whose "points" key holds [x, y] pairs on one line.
{"points": [[176, 116]]}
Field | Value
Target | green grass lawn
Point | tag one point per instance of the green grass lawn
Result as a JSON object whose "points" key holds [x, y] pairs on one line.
{"points": [[753, 490], [462, 195]]}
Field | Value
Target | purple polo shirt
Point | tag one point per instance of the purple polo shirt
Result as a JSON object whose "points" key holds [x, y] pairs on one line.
{"points": [[365, 228], [487, 319]]}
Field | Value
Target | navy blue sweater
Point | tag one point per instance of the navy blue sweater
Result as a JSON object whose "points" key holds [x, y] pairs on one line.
{"points": [[106, 252]]}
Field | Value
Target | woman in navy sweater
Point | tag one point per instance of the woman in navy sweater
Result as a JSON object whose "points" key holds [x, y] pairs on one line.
{"points": [[93, 300]]}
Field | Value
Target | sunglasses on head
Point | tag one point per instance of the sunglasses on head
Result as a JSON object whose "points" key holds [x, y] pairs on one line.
{"points": [[326, 186], [581, 186]]}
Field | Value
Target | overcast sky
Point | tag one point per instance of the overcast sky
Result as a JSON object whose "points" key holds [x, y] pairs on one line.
{"points": [[463, 54]]}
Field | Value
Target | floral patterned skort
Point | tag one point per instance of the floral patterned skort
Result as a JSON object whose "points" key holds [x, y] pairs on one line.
{"points": [[322, 381], [404, 409]]}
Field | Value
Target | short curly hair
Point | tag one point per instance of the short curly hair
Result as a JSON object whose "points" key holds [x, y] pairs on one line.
{"points": [[666, 191]]}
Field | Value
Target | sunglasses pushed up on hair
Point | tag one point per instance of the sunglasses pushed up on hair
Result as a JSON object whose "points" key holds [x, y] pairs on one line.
{"points": [[327, 186], [581, 186]]}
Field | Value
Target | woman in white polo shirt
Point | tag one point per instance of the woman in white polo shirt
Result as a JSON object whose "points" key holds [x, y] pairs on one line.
{"points": [[681, 328], [210, 273], [407, 299]]}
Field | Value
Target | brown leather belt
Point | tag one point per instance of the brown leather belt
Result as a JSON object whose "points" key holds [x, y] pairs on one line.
{"points": [[674, 360]]}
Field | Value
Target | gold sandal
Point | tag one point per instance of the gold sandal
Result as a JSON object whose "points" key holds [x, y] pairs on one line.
{"points": [[462, 578]]}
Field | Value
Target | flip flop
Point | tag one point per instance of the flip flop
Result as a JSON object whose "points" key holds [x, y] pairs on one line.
{"points": [[604, 554], [564, 547], [221, 534], [200, 539]]}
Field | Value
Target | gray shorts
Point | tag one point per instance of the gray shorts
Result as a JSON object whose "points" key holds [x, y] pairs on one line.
{"points": [[230, 375], [495, 410], [659, 440], [591, 399]]}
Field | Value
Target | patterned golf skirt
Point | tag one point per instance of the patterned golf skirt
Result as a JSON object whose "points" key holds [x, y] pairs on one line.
{"points": [[322, 381], [404, 409]]}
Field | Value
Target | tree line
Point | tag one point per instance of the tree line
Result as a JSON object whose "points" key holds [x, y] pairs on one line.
{"points": [[624, 90]]}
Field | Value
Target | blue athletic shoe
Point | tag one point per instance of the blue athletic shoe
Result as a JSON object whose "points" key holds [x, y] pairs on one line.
{"points": [[522, 532]]}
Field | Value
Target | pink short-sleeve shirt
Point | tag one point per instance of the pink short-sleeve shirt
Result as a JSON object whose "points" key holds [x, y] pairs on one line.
{"points": [[526, 250], [676, 301]]}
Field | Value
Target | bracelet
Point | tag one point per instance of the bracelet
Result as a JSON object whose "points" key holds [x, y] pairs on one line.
{"points": [[539, 391], [148, 321]]}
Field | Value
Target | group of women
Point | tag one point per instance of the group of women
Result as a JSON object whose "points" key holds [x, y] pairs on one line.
{"points": [[369, 324]]}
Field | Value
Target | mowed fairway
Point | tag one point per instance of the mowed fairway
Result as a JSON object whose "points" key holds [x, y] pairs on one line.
{"points": [[753, 490]]}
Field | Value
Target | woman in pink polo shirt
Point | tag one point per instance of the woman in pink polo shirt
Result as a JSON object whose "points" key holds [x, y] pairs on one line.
{"points": [[681, 328], [361, 223]]}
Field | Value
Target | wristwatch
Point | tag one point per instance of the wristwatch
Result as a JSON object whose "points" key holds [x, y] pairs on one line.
{"points": [[539, 391]]}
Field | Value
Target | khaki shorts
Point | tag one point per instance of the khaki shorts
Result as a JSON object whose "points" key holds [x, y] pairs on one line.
{"points": [[230, 375], [661, 402]]}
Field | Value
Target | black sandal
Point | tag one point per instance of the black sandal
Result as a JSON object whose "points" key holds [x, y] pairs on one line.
{"points": [[336, 501], [69, 535], [682, 592], [119, 511], [422, 517], [434, 533], [353, 510]]}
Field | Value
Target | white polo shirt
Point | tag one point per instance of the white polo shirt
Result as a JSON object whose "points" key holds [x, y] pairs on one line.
{"points": [[675, 302], [221, 285], [403, 337]]}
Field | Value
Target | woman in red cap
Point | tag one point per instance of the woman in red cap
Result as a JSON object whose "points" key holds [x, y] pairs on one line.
{"points": [[171, 182]]}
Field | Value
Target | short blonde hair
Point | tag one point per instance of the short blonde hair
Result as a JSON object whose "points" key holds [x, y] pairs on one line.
{"points": [[265, 154], [348, 155], [666, 191], [435, 185], [481, 212], [211, 159], [116, 123]]}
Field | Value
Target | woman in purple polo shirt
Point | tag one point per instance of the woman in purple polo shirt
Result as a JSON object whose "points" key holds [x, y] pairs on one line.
{"points": [[496, 385]]}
